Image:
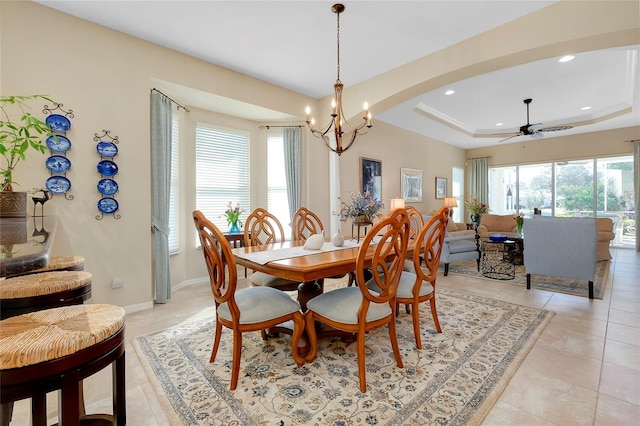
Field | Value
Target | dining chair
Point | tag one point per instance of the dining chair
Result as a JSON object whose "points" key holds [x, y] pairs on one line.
{"points": [[249, 309], [420, 285], [306, 223], [357, 309], [416, 222], [262, 227]]}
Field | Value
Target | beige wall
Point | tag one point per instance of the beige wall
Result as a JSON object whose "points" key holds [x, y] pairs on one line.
{"points": [[106, 78]]}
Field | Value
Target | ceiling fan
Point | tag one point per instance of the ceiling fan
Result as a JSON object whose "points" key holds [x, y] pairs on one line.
{"points": [[535, 130]]}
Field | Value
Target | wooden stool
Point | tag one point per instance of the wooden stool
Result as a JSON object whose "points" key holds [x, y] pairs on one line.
{"points": [[28, 293], [58, 263], [56, 349]]}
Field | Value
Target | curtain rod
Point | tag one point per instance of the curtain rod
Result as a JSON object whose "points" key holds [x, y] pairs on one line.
{"points": [[268, 127], [477, 158], [178, 106]]}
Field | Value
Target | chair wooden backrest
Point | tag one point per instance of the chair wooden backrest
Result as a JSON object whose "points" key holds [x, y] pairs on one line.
{"points": [[261, 227], [389, 253], [416, 221], [429, 244], [304, 224], [217, 253]]}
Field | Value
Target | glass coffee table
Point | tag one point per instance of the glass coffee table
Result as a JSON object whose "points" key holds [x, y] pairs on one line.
{"points": [[498, 259]]}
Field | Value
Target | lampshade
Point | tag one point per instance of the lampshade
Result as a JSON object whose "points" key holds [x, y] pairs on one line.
{"points": [[450, 202], [396, 203]]}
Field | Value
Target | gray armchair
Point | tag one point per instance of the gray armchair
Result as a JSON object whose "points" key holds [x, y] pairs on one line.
{"points": [[458, 248], [561, 247]]}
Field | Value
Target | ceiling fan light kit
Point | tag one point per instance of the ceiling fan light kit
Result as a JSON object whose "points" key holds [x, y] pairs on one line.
{"points": [[535, 130]]}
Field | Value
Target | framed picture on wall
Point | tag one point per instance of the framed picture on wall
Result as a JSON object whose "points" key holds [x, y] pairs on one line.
{"points": [[371, 177], [441, 187], [411, 184]]}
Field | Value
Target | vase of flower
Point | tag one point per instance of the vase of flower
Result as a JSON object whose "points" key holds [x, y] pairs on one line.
{"points": [[519, 223], [234, 228], [362, 220], [232, 214], [476, 218]]}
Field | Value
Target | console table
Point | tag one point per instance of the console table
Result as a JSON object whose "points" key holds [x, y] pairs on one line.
{"points": [[497, 259]]}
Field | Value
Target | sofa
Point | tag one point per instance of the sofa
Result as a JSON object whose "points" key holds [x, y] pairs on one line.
{"points": [[605, 235], [497, 224], [561, 247], [459, 244]]}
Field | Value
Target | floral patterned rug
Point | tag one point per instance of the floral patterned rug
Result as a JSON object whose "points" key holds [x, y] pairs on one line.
{"points": [[454, 380], [543, 282]]}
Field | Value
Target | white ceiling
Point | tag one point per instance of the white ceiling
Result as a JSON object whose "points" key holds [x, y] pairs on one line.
{"points": [[293, 44]]}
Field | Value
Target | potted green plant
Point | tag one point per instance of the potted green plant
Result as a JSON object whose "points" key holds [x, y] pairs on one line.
{"points": [[20, 132]]}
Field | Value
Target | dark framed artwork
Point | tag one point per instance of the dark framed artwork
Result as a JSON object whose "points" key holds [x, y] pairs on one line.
{"points": [[411, 184], [371, 177], [441, 187]]}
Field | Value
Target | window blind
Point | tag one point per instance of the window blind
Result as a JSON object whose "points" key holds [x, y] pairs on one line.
{"points": [[222, 172]]}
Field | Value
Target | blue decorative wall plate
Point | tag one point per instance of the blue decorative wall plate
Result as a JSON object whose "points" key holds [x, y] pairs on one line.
{"points": [[58, 143], [58, 164], [58, 123], [107, 149], [107, 205], [107, 186], [58, 184], [107, 168]]}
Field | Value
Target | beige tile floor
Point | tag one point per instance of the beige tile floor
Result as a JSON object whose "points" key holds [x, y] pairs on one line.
{"points": [[583, 370]]}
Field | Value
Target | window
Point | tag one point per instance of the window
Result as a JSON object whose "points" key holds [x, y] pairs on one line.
{"points": [[600, 187], [457, 183], [174, 205], [278, 201], [222, 172]]}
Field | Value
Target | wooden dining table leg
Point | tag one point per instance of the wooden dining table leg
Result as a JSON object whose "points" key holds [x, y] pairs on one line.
{"points": [[309, 290]]}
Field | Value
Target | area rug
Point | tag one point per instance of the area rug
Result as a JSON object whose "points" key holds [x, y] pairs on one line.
{"points": [[559, 284], [454, 380]]}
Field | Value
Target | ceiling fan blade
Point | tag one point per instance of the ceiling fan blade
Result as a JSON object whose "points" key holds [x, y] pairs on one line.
{"points": [[555, 128], [534, 128], [511, 137], [537, 135]]}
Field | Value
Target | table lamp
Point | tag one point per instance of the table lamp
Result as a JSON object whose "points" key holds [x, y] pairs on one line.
{"points": [[396, 203], [450, 202]]}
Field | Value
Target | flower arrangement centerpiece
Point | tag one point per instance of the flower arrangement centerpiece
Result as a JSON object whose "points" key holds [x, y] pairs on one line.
{"points": [[477, 209], [233, 218], [361, 209], [519, 222]]}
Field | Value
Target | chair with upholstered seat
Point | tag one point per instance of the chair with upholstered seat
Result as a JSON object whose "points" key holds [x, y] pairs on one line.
{"points": [[359, 310], [416, 222], [306, 223], [420, 285], [249, 309], [262, 227]]}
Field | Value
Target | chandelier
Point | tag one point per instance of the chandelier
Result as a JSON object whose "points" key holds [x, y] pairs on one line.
{"points": [[337, 114]]}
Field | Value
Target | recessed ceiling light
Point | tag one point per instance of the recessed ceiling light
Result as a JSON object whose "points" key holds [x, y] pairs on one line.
{"points": [[566, 58], [499, 124], [449, 92], [584, 108]]}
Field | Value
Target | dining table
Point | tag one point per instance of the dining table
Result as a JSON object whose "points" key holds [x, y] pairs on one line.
{"points": [[291, 261]]}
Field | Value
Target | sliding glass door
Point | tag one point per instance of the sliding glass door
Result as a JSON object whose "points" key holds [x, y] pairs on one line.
{"points": [[600, 187]]}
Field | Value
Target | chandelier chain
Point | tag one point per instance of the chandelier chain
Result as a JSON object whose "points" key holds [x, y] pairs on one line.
{"points": [[338, 41]]}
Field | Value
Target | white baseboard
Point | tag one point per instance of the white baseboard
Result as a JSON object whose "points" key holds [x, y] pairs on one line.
{"points": [[149, 305]]}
